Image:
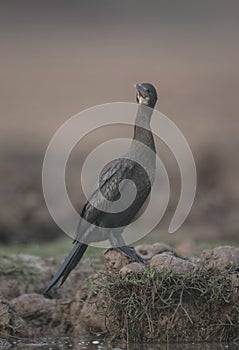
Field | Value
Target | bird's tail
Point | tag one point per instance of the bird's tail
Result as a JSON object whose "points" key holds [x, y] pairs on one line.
{"points": [[69, 264]]}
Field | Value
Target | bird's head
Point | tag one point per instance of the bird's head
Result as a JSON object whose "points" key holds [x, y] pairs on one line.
{"points": [[146, 94]]}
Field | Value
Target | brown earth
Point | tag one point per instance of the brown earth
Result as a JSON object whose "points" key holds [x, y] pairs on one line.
{"points": [[173, 299]]}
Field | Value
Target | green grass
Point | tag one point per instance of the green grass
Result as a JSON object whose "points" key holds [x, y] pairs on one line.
{"points": [[21, 270], [60, 247]]}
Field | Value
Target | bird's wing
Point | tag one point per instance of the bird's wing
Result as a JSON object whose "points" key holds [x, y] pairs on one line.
{"points": [[108, 186]]}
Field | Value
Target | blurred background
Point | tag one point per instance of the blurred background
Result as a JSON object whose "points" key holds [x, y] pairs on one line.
{"points": [[60, 57]]}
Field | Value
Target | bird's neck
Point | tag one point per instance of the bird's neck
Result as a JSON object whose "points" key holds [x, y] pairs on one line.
{"points": [[142, 130]]}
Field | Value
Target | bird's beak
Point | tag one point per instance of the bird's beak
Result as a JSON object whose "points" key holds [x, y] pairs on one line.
{"points": [[140, 90]]}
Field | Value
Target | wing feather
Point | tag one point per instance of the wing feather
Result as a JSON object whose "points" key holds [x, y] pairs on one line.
{"points": [[108, 186]]}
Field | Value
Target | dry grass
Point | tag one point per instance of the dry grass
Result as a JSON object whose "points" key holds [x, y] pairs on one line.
{"points": [[200, 306]]}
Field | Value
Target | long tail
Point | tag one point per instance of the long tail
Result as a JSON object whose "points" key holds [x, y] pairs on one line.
{"points": [[68, 265]]}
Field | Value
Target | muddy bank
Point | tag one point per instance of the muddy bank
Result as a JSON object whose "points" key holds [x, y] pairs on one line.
{"points": [[170, 299]]}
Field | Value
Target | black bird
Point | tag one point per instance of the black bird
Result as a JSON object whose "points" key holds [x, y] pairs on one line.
{"points": [[111, 225]]}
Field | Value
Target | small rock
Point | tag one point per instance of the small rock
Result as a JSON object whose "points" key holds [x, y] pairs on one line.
{"points": [[177, 265], [132, 268]]}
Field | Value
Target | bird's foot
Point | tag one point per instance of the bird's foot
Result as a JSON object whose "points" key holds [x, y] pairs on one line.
{"points": [[131, 253]]}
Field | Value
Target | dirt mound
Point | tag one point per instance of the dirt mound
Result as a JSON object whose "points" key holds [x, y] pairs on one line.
{"points": [[169, 299]]}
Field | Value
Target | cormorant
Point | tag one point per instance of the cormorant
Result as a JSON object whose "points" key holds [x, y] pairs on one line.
{"points": [[109, 185]]}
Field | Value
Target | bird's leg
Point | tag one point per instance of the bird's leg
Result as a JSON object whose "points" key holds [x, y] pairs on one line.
{"points": [[118, 243], [131, 253]]}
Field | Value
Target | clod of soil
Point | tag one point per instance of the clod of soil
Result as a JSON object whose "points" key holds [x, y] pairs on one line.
{"points": [[132, 268], [147, 251], [114, 260], [172, 263], [225, 257]]}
